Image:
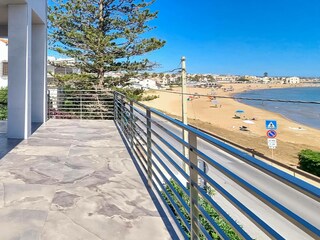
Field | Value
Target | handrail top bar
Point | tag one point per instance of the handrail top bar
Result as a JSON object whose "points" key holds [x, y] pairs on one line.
{"points": [[232, 150]]}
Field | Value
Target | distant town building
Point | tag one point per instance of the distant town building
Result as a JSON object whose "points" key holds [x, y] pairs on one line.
{"points": [[265, 80], [292, 80], [60, 66], [142, 84]]}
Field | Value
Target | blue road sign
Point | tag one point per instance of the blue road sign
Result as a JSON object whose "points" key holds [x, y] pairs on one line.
{"points": [[271, 124], [271, 133]]}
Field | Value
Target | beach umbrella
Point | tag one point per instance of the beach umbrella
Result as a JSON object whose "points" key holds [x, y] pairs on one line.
{"points": [[239, 111]]}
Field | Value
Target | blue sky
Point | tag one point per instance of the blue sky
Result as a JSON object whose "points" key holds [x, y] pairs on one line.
{"points": [[281, 37]]}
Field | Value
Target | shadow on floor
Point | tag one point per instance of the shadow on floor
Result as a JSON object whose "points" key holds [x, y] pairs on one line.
{"points": [[153, 196], [7, 144]]}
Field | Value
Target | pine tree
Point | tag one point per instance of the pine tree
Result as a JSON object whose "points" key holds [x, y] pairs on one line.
{"points": [[103, 35]]}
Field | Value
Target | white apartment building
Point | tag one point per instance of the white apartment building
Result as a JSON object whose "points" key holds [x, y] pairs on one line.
{"points": [[3, 62], [142, 84], [292, 80]]}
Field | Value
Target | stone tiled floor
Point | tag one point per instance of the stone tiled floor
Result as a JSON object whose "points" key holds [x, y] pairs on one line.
{"points": [[75, 180]]}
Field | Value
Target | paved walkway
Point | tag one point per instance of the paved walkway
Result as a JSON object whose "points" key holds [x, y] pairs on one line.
{"points": [[75, 180]]}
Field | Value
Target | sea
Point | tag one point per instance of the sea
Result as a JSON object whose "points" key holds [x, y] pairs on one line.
{"points": [[303, 113]]}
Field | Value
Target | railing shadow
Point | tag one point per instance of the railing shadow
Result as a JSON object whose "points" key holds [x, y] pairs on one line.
{"points": [[154, 198]]}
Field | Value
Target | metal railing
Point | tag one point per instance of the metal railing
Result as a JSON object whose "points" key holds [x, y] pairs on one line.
{"points": [[155, 139], [80, 104]]}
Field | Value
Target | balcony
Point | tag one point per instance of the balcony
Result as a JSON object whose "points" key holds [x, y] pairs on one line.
{"points": [[125, 179], [75, 179]]}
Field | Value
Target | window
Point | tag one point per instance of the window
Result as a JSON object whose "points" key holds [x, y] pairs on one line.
{"points": [[5, 69]]}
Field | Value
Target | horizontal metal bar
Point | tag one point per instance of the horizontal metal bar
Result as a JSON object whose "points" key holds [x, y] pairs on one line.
{"points": [[174, 136], [203, 230], [176, 194], [171, 173], [213, 224], [180, 170], [175, 219], [235, 202], [299, 184], [174, 150], [297, 220]]}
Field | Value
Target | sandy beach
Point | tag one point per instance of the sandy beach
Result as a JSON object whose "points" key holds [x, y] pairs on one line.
{"points": [[219, 118]]}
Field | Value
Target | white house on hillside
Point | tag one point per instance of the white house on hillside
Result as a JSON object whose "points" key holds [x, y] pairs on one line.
{"points": [[148, 84], [3, 62], [292, 80], [143, 84]]}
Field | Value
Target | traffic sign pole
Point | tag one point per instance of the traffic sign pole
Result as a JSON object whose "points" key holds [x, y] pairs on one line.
{"points": [[272, 126]]}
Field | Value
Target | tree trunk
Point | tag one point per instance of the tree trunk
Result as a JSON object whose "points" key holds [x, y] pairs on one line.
{"points": [[101, 20], [101, 78]]}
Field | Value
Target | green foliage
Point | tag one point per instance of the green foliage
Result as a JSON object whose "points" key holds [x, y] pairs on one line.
{"points": [[102, 35], [309, 161], [207, 207], [3, 103], [84, 104], [135, 94], [132, 93], [75, 81], [150, 97], [243, 79]]}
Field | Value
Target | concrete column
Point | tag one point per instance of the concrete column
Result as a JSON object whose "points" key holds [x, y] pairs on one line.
{"points": [[39, 71], [19, 58]]}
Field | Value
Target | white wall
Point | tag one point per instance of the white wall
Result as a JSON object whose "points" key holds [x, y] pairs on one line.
{"points": [[3, 58]]}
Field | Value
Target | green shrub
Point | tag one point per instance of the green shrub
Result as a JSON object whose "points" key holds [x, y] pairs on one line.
{"points": [[135, 94], [150, 97], [207, 207], [309, 161], [3, 103]]}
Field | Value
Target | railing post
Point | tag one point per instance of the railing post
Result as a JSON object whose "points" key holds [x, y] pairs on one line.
{"points": [[48, 104], [115, 106], [194, 212], [80, 106], [149, 145], [131, 123], [122, 113]]}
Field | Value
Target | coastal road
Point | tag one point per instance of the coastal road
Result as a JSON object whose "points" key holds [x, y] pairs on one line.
{"points": [[300, 204]]}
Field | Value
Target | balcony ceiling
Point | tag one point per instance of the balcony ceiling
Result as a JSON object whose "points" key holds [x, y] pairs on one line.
{"points": [[4, 9]]}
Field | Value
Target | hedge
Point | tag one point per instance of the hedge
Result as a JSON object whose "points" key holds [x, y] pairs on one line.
{"points": [[228, 230], [309, 161], [3, 103]]}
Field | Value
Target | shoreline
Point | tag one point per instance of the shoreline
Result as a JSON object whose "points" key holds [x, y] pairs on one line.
{"points": [[279, 113], [220, 119]]}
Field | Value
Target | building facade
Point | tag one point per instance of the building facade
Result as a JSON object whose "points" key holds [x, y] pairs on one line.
{"points": [[292, 80]]}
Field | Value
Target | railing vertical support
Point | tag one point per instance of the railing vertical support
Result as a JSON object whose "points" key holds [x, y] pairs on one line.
{"points": [[194, 212], [122, 112], [48, 105], [80, 106], [149, 145], [115, 106], [131, 123]]}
